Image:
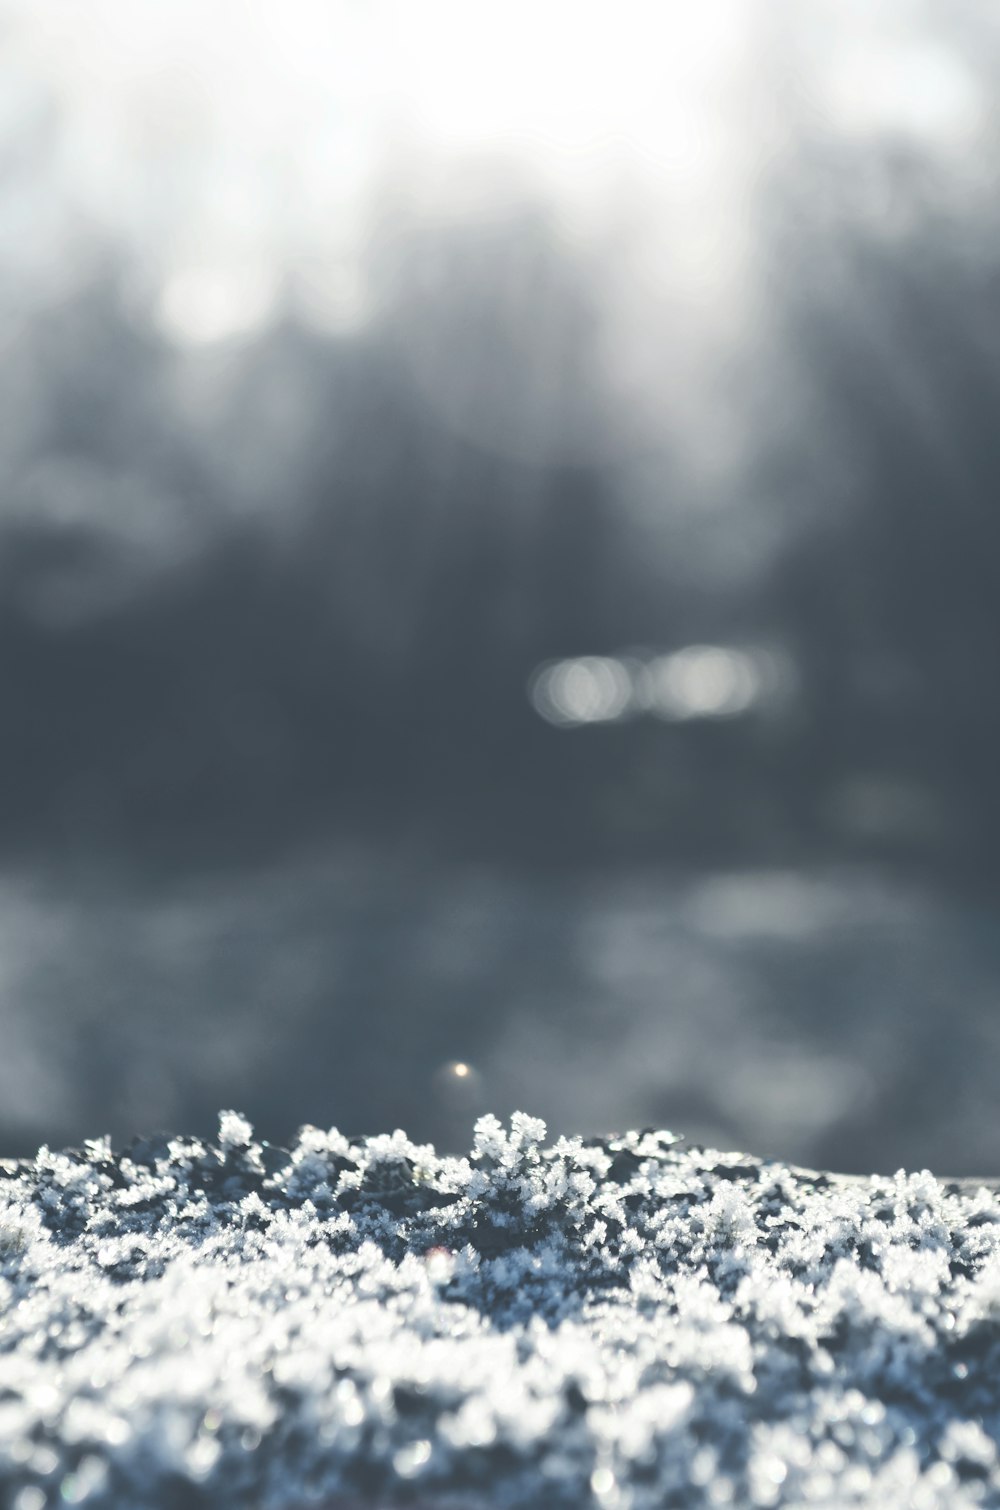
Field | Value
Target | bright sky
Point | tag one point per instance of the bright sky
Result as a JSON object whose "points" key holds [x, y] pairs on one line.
{"points": [[239, 152]]}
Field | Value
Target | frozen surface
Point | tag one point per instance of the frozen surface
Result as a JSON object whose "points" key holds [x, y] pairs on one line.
{"points": [[631, 1322]]}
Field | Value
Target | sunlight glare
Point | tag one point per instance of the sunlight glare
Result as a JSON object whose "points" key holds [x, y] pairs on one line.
{"points": [[209, 136], [561, 79]]}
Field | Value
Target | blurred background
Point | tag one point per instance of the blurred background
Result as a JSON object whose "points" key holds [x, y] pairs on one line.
{"points": [[499, 566]]}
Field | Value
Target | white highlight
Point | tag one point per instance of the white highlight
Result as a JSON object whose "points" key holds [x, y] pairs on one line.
{"points": [[702, 681], [202, 305], [590, 689], [697, 682], [918, 89], [241, 163]]}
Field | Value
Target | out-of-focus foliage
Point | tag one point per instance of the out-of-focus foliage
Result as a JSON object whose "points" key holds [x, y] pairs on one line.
{"points": [[276, 557]]}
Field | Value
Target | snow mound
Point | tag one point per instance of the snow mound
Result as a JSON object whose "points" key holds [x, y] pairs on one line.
{"points": [[621, 1323]]}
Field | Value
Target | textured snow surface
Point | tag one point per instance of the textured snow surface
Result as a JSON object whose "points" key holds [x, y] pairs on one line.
{"points": [[624, 1323]]}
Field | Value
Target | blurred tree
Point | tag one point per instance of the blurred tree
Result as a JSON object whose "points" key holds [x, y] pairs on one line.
{"points": [[894, 601]]}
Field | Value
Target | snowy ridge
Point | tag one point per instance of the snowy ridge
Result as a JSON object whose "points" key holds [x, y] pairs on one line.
{"points": [[626, 1324]]}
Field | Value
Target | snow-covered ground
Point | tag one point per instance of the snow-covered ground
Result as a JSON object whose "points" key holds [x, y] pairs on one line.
{"points": [[627, 1322]]}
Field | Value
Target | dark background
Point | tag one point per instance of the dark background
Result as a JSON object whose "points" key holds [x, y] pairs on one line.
{"points": [[282, 824]]}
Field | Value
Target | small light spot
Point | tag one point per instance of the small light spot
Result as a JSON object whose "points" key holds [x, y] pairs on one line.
{"points": [[350, 1409], [44, 1460], [458, 1083], [602, 1482], [440, 1265], [87, 1481], [201, 1457], [409, 1460]]}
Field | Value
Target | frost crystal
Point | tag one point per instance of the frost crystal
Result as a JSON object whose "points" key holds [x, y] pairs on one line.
{"points": [[234, 1131], [623, 1324]]}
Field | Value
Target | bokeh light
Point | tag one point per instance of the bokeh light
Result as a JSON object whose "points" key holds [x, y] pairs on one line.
{"points": [[699, 681]]}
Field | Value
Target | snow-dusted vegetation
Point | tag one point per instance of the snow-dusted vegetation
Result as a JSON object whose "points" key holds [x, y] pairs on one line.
{"points": [[625, 1322]]}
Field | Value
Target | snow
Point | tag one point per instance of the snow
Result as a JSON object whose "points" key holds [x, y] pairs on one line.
{"points": [[622, 1323]]}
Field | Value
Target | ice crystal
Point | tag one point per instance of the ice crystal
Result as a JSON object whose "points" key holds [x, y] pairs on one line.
{"points": [[625, 1323]]}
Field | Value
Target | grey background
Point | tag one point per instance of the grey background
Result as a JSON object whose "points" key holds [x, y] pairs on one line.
{"points": [[337, 396]]}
